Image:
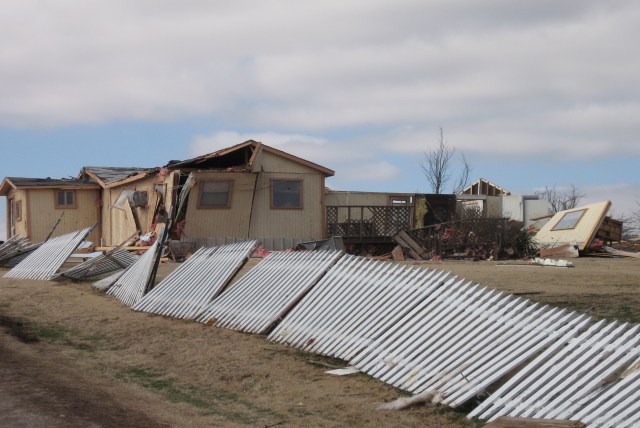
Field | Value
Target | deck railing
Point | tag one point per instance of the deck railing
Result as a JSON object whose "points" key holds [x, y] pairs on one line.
{"points": [[357, 221]]}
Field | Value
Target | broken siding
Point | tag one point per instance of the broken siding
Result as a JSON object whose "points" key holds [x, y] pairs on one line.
{"points": [[120, 224], [43, 215], [221, 222]]}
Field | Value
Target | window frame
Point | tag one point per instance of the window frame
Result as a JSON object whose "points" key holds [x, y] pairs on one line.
{"points": [[17, 207], [65, 206], [574, 221], [272, 188], [215, 207]]}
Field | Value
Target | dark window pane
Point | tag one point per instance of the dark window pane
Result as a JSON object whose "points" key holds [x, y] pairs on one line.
{"points": [[61, 198], [215, 194], [287, 194], [69, 198]]}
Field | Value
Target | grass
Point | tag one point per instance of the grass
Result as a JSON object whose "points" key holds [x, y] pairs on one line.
{"points": [[213, 402]]}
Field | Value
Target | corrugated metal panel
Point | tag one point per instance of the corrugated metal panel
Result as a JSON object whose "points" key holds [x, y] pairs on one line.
{"points": [[356, 302], [582, 234], [462, 340], [232, 221], [187, 291], [43, 215], [44, 262], [104, 283], [105, 263], [130, 287], [267, 222], [268, 291], [594, 378], [12, 247]]}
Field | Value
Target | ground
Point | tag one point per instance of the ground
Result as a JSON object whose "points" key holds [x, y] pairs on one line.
{"points": [[73, 357]]}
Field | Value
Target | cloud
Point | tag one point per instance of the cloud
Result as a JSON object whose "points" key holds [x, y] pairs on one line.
{"points": [[503, 78], [381, 171]]}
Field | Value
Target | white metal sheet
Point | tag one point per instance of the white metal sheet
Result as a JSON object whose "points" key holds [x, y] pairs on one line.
{"points": [[187, 291], [44, 262], [265, 294], [594, 378], [130, 286]]}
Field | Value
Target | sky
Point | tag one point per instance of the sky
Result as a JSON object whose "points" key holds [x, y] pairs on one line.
{"points": [[534, 93]]}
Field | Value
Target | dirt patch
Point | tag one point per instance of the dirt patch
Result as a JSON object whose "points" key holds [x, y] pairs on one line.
{"points": [[94, 354]]}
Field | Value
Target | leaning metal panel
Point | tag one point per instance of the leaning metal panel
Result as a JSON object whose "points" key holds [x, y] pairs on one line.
{"points": [[187, 291], [260, 298], [356, 302], [593, 378], [43, 263], [104, 263], [462, 340], [130, 287]]}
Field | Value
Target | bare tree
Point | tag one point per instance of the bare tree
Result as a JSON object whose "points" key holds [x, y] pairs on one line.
{"points": [[559, 200], [437, 164]]}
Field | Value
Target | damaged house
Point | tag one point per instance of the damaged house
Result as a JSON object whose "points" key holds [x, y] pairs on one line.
{"points": [[249, 190]]}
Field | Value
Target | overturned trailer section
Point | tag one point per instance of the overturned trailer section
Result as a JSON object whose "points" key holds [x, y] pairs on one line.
{"points": [[44, 262], [188, 290]]}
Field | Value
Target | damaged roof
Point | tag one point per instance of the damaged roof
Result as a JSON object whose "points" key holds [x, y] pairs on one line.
{"points": [[243, 155], [31, 183], [482, 186], [107, 175]]}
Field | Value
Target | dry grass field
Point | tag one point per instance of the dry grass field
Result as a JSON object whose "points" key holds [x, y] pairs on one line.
{"points": [[72, 356]]}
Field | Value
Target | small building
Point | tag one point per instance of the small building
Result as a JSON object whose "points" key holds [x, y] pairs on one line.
{"points": [[493, 201], [34, 206]]}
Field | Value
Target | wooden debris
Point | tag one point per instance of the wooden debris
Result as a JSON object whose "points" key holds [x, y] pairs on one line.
{"points": [[566, 251], [622, 253], [511, 422], [397, 254], [412, 247]]}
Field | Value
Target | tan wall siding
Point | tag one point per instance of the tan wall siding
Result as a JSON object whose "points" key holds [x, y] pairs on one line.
{"points": [[221, 222], [42, 214], [307, 222], [273, 163]]}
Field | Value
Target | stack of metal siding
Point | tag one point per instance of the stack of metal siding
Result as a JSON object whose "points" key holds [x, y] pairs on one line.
{"points": [[104, 263], [462, 340], [593, 378], [269, 291], [43, 263], [21, 255], [187, 291], [357, 301], [12, 247], [130, 287]]}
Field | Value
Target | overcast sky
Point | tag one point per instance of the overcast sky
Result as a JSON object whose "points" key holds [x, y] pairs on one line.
{"points": [[534, 92]]}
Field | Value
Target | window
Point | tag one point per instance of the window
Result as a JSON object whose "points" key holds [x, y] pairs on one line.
{"points": [[286, 194], [215, 194], [65, 199], [17, 214], [569, 220]]}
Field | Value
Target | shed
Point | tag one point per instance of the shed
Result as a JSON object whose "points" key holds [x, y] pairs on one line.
{"points": [[34, 206]]}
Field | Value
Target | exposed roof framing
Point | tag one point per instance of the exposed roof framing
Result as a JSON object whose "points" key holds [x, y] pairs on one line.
{"points": [[242, 155], [115, 176], [482, 186]]}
